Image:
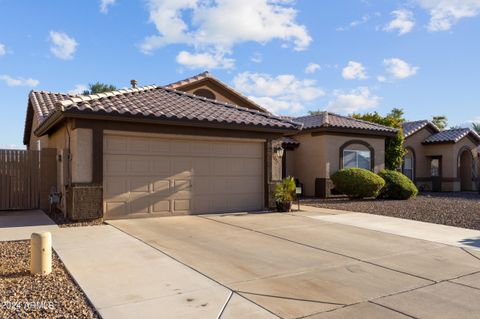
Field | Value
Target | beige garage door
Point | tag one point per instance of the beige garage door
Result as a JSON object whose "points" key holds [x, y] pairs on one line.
{"points": [[146, 175]]}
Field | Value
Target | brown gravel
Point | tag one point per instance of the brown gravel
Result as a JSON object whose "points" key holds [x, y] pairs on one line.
{"points": [[63, 221], [55, 295], [453, 209]]}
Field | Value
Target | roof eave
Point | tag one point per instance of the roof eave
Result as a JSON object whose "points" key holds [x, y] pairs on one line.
{"points": [[349, 130], [98, 115]]}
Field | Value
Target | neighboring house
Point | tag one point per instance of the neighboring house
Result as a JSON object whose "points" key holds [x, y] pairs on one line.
{"points": [[441, 160], [329, 142], [157, 151]]}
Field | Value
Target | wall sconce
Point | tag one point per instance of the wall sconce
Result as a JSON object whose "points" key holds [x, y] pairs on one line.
{"points": [[279, 151]]}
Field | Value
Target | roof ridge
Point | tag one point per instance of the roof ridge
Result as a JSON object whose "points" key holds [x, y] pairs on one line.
{"points": [[323, 113], [91, 97], [192, 78]]}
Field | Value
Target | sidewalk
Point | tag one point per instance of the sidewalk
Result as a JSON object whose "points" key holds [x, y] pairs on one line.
{"points": [[454, 236]]}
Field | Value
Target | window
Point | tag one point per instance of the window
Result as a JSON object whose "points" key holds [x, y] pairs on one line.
{"points": [[205, 93], [435, 167], [408, 166], [356, 158]]}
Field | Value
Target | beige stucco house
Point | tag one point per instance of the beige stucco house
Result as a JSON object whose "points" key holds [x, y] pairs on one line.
{"points": [[329, 142], [441, 160], [194, 146]]}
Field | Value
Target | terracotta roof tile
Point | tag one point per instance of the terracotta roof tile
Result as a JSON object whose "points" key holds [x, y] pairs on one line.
{"points": [[452, 135], [163, 103], [412, 127], [327, 119]]}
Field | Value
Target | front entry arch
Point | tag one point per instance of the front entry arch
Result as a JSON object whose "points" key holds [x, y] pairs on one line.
{"points": [[465, 169]]}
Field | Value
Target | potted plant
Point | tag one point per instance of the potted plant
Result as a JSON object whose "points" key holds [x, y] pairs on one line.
{"points": [[285, 194]]}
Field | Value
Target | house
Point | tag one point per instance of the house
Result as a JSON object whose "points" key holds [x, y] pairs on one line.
{"points": [[159, 150], [329, 142], [438, 160]]}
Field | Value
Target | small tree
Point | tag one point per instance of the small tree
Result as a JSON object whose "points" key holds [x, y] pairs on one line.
{"points": [[317, 112], [394, 149], [99, 88], [440, 121], [476, 127]]}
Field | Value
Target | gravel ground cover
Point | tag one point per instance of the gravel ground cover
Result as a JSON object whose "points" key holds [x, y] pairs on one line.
{"points": [[453, 209], [23, 295], [62, 221]]}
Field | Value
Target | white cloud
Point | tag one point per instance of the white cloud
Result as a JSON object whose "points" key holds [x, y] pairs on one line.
{"points": [[78, 89], [3, 49], [445, 13], [105, 4], [10, 81], [355, 100], [204, 60], [256, 57], [354, 70], [403, 22], [217, 26], [312, 68], [63, 46], [381, 78], [283, 93], [399, 69]]}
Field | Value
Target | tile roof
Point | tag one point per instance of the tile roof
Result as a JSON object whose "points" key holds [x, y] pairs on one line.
{"points": [[289, 140], [452, 135], [43, 102], [207, 75], [412, 127], [189, 80], [332, 120], [163, 104]]}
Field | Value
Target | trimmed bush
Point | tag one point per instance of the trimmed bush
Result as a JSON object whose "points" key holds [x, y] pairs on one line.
{"points": [[357, 182], [397, 185]]}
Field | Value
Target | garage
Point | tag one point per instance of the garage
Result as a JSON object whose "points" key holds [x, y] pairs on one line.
{"points": [[150, 175]]}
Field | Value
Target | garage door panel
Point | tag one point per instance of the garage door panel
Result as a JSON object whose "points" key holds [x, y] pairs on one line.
{"points": [[139, 165], [139, 185], [166, 176], [181, 205], [116, 189], [116, 165], [161, 206], [115, 145], [160, 185], [161, 165]]}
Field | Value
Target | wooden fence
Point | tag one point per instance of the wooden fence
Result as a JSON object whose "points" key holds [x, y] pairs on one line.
{"points": [[25, 178]]}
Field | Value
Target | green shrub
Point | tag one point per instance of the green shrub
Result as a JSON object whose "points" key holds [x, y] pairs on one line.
{"points": [[357, 182], [285, 190], [397, 185]]}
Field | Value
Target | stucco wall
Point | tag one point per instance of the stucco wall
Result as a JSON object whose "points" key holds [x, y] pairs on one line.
{"points": [[450, 160], [319, 157], [81, 150], [33, 145]]}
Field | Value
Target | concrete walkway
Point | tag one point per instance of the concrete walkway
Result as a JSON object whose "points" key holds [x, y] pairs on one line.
{"points": [[126, 278], [453, 236], [18, 225]]}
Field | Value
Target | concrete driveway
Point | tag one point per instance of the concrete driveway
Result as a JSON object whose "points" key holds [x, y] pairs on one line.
{"points": [[297, 266]]}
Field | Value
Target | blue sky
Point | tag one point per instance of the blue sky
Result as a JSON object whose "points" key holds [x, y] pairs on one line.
{"points": [[290, 56]]}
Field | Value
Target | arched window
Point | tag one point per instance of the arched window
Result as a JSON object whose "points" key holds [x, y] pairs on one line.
{"points": [[205, 93], [357, 153]]}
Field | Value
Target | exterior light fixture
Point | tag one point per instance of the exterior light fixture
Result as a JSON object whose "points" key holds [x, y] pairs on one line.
{"points": [[279, 151]]}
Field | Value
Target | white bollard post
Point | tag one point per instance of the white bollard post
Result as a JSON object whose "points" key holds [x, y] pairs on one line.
{"points": [[41, 253]]}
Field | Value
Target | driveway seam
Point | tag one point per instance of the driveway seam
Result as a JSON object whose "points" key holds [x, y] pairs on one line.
{"points": [[465, 250], [321, 249], [190, 267], [225, 305], [392, 309], [291, 298], [462, 284]]}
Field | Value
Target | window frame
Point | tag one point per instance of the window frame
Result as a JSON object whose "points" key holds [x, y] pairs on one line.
{"points": [[351, 144]]}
